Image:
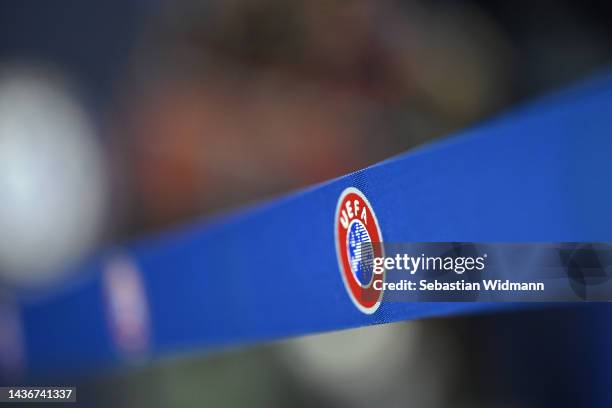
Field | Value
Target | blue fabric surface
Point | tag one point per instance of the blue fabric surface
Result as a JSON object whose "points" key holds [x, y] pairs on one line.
{"points": [[539, 173]]}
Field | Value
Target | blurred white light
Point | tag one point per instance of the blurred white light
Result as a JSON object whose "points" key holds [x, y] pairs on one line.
{"points": [[353, 366], [397, 364], [52, 178]]}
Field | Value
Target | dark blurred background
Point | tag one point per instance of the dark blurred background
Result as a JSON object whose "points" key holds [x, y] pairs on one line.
{"points": [[118, 119]]}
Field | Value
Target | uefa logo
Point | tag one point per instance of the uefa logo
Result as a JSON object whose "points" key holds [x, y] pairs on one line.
{"points": [[358, 241]]}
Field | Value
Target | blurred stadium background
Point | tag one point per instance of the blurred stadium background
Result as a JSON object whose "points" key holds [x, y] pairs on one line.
{"points": [[122, 118]]}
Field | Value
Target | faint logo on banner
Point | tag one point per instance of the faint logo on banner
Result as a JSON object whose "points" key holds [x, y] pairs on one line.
{"points": [[127, 307], [12, 353]]}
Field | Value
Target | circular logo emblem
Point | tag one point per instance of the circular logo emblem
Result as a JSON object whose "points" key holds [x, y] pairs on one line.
{"points": [[358, 242]]}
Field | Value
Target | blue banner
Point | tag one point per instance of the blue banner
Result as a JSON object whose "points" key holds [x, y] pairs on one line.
{"points": [[540, 173]]}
